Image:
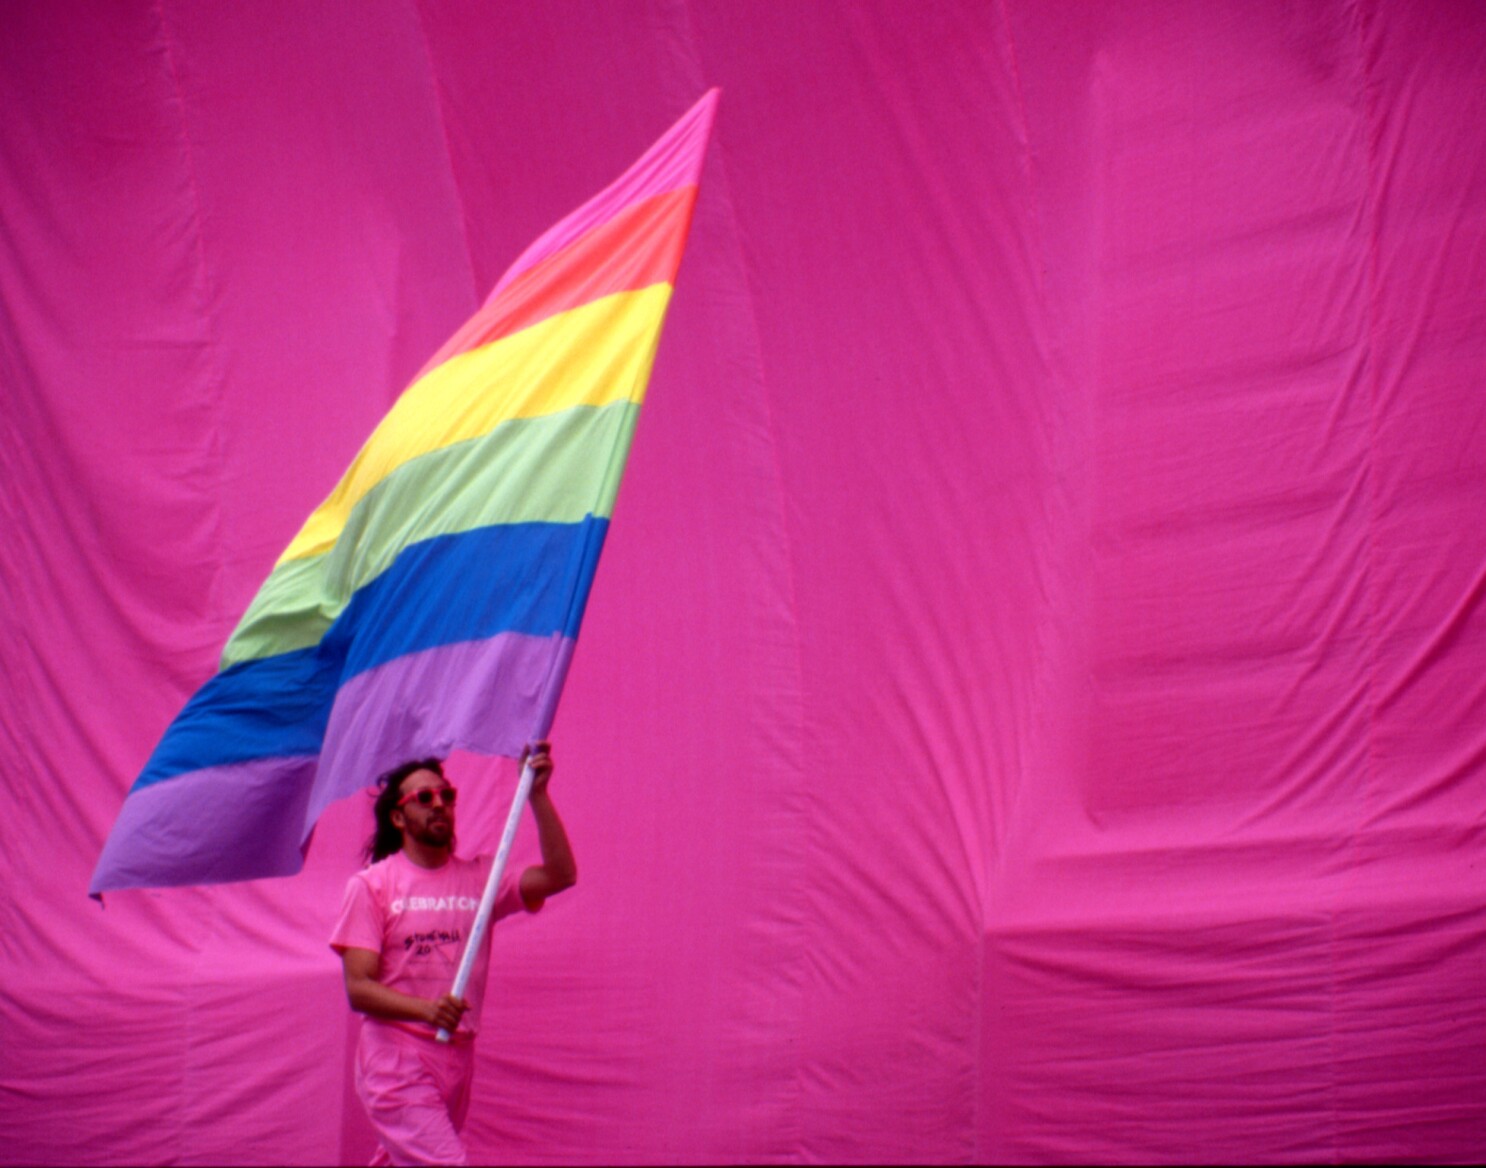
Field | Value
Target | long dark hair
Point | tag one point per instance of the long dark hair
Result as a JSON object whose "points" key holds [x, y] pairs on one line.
{"points": [[387, 837]]}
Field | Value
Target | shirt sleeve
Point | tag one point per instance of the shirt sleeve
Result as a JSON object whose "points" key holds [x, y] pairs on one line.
{"points": [[360, 924]]}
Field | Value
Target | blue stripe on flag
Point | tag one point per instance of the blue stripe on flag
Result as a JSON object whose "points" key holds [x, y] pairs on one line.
{"points": [[524, 578]]}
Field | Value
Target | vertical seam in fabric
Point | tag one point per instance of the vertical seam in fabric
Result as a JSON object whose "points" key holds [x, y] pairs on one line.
{"points": [[1039, 263], [792, 593], [476, 292], [793, 1135], [209, 329], [215, 381], [1374, 284], [1044, 344], [1369, 213], [984, 893]]}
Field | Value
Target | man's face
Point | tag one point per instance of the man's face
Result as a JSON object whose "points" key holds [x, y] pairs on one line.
{"points": [[431, 824]]}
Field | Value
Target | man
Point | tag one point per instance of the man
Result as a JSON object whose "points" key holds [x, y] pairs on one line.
{"points": [[400, 935]]}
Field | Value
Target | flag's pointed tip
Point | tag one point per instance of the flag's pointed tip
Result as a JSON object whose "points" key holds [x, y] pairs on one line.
{"points": [[695, 125], [700, 115], [704, 108]]}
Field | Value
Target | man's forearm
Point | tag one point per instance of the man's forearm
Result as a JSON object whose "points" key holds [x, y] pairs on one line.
{"points": [[379, 1001], [557, 852]]}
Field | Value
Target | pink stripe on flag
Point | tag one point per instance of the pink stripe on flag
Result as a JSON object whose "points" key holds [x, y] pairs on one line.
{"points": [[673, 162]]}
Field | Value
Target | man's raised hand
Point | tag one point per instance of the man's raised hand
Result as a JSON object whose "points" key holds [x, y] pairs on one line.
{"points": [[538, 756]]}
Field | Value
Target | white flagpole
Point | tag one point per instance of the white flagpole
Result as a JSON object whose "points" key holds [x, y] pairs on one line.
{"points": [[546, 711], [487, 899]]}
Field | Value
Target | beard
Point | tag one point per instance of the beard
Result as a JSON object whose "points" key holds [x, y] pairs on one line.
{"points": [[435, 833]]}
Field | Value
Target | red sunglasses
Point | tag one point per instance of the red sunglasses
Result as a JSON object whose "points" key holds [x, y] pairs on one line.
{"points": [[427, 795]]}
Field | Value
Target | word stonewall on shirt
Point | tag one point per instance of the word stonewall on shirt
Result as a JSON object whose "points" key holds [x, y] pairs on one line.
{"points": [[425, 943]]}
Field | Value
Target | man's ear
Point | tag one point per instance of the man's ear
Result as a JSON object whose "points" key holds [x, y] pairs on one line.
{"points": [[398, 819]]}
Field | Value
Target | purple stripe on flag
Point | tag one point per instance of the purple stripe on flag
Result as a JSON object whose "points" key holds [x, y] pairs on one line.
{"points": [[235, 822], [490, 696], [248, 820]]}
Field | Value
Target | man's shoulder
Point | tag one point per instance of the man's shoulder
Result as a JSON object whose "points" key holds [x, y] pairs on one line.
{"points": [[374, 875], [399, 867], [466, 869], [396, 872]]}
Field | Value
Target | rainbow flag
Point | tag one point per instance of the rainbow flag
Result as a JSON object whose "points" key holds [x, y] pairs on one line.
{"points": [[432, 602]]}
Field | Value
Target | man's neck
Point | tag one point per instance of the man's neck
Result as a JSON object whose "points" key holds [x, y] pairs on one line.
{"points": [[425, 855]]}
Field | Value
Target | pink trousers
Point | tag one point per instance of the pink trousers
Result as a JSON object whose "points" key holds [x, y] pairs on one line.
{"points": [[416, 1093]]}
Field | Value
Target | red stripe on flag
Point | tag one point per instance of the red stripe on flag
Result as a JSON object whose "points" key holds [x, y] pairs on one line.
{"points": [[638, 247]]}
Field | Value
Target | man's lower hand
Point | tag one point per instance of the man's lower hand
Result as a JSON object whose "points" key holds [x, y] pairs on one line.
{"points": [[445, 1011]]}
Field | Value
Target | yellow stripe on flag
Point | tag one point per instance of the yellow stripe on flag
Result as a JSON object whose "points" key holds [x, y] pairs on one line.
{"points": [[592, 355]]}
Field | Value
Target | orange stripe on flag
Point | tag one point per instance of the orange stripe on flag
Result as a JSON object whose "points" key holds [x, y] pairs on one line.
{"points": [[638, 247]]}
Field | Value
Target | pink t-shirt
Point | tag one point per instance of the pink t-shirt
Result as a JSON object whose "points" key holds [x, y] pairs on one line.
{"points": [[418, 919]]}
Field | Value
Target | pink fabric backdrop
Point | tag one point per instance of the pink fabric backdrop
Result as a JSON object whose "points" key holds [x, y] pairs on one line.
{"points": [[1031, 707]]}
